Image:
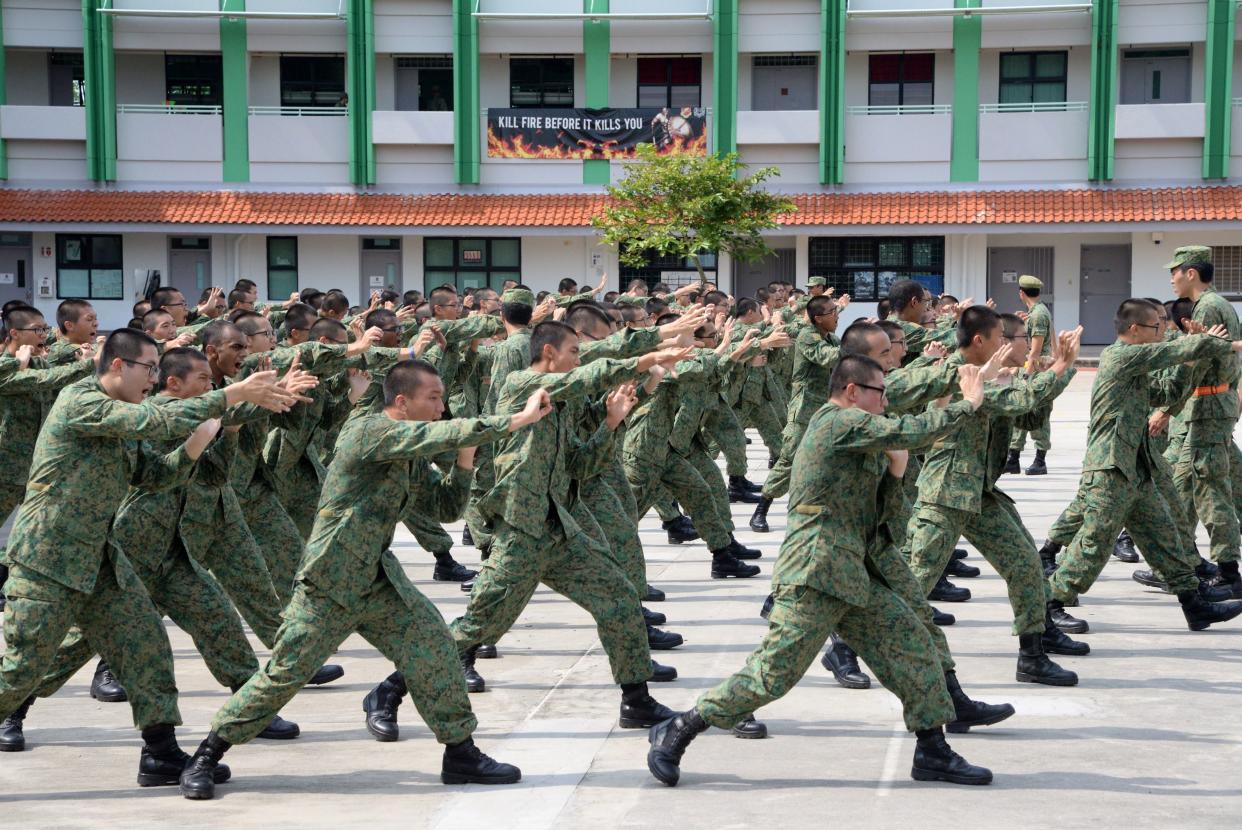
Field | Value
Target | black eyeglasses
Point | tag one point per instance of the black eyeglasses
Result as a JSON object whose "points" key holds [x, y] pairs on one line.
{"points": [[1014, 336], [394, 328], [881, 389], [153, 369], [1149, 326], [171, 305], [39, 329]]}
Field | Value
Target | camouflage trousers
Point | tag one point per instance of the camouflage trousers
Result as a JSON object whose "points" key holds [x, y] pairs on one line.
{"points": [[277, 536], [1109, 501], [664, 505], [885, 633], [618, 531], [232, 555], [777, 482], [410, 634], [1042, 436], [894, 571], [484, 479], [762, 416], [997, 531], [725, 435], [1203, 475], [697, 483], [10, 498], [430, 534], [298, 490], [117, 618], [572, 568], [185, 593]]}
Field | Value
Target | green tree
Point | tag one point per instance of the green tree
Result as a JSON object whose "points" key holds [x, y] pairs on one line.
{"points": [[687, 206]]}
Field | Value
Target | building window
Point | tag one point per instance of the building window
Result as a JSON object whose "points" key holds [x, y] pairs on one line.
{"points": [[673, 271], [670, 82], [1227, 270], [282, 266], [192, 80], [312, 81], [902, 80], [541, 82], [471, 262], [1155, 76], [66, 76], [865, 267], [424, 83], [89, 267], [784, 82], [1033, 77]]}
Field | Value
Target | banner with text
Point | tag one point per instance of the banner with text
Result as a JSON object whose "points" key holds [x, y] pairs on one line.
{"points": [[594, 133]]}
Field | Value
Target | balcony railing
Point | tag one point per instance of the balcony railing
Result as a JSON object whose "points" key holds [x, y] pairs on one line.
{"points": [[300, 111], [170, 109], [901, 109], [1036, 106]]}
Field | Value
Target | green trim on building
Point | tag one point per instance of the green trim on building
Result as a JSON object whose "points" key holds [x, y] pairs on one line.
{"points": [[1102, 117], [466, 107], [964, 152], [235, 91], [100, 71], [597, 52], [832, 91], [724, 74], [360, 86], [1218, 88]]}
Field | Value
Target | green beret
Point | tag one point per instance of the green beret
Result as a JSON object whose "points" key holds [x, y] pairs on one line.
{"points": [[817, 281], [1027, 281], [1191, 255], [518, 295]]}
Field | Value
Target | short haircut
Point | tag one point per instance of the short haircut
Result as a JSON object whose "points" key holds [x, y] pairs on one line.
{"points": [[1180, 310], [70, 311], [179, 362], [819, 306], [762, 294], [637, 284], [746, 305], [584, 316], [237, 297], [412, 297], [667, 317], [716, 298], [442, 297], [1205, 269], [141, 307], [335, 302], [660, 286], [124, 344], [568, 284], [152, 319], [300, 316], [631, 313], [387, 295], [422, 312], [516, 314], [1029, 292], [250, 322], [245, 285], [693, 295], [948, 297], [217, 331], [904, 292], [313, 297], [1012, 323], [855, 369], [892, 328], [22, 316], [204, 294], [856, 339], [327, 327], [656, 306], [1131, 311], [978, 319], [405, 378], [883, 309], [382, 317], [548, 333], [611, 295], [485, 293], [161, 297]]}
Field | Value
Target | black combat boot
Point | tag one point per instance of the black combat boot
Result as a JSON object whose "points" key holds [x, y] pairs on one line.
{"points": [[105, 687], [759, 519], [658, 640], [474, 682], [326, 674], [1200, 613], [1048, 556], [960, 569], [842, 661], [750, 485], [740, 551], [486, 651], [725, 565], [1062, 620], [768, 604], [946, 591], [1013, 463], [449, 569], [1039, 466], [942, 618], [200, 775], [1035, 667], [1229, 579], [639, 710], [653, 617], [653, 594], [464, 763], [12, 738], [740, 493], [467, 586], [959, 553], [935, 761], [678, 532], [466, 538], [967, 712], [749, 728], [668, 743], [1149, 579], [381, 705], [162, 761], [1054, 639], [1124, 550], [661, 673], [1206, 569]]}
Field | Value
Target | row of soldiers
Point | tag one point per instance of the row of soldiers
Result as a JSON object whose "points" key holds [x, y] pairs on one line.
{"points": [[553, 427]]}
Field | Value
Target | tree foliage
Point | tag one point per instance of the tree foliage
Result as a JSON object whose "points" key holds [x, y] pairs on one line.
{"points": [[687, 206]]}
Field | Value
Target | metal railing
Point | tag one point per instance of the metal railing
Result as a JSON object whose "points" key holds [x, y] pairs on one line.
{"points": [[1040, 106], [300, 111], [171, 109], [901, 109]]}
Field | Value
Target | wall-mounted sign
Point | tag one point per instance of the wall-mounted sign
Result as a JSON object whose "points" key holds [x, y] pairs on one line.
{"points": [[594, 133]]}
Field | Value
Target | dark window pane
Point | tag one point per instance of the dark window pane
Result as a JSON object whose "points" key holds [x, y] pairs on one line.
{"points": [[282, 252], [919, 68], [1049, 92], [506, 253], [859, 252], [921, 254], [885, 69], [105, 251], [685, 71], [1015, 93], [1050, 65], [1015, 65], [892, 253], [652, 71]]}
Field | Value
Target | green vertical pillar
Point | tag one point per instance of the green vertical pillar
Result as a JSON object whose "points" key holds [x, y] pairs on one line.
{"points": [[1103, 106], [1218, 89], [235, 93], [964, 146], [100, 71], [360, 86], [597, 49], [724, 65], [832, 91], [466, 107]]}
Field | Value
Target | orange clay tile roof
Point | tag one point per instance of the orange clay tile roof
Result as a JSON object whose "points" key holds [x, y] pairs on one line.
{"points": [[966, 207]]}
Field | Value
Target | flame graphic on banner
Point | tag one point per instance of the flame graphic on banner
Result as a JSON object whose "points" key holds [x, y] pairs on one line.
{"points": [[517, 147]]}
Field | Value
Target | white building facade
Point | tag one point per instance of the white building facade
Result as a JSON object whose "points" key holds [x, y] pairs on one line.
{"points": [[344, 143]]}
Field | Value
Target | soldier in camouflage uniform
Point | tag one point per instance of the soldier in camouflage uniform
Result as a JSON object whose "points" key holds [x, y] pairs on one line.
{"points": [[909, 301], [351, 582], [841, 484], [1039, 339], [65, 567]]}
